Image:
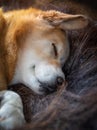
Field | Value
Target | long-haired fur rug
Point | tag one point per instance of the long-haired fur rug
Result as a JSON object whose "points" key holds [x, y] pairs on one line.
{"points": [[73, 107]]}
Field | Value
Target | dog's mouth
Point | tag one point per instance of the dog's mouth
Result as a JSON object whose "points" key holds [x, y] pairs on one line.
{"points": [[47, 89]]}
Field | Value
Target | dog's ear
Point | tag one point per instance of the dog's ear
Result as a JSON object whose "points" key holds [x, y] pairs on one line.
{"points": [[65, 21]]}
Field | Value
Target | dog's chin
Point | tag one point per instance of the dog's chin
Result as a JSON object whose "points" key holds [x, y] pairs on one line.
{"points": [[47, 89]]}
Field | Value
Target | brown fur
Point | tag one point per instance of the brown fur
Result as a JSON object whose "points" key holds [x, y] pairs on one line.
{"points": [[86, 7], [18, 25], [72, 111]]}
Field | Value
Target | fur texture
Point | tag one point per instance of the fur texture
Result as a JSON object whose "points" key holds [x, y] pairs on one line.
{"points": [[77, 106]]}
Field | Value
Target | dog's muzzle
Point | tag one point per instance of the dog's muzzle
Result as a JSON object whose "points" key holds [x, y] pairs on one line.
{"points": [[46, 88]]}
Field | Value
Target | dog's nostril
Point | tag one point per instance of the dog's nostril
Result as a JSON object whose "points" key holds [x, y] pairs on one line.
{"points": [[60, 80]]}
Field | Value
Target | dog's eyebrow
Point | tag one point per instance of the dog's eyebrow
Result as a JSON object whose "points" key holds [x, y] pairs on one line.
{"points": [[55, 49]]}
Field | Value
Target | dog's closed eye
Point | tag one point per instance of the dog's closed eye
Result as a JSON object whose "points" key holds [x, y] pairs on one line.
{"points": [[55, 50]]}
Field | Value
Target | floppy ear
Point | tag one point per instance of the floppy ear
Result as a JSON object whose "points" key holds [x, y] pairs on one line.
{"points": [[65, 21]]}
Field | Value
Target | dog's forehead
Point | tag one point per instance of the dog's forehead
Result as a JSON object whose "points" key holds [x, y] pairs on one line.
{"points": [[56, 34], [48, 32], [38, 33]]}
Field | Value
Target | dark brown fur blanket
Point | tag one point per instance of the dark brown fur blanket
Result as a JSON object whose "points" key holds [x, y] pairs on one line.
{"points": [[73, 108]]}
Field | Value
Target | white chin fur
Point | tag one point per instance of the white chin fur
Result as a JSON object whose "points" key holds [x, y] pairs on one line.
{"points": [[43, 73], [47, 73]]}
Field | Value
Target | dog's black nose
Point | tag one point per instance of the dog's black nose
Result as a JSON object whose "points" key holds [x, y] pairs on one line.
{"points": [[60, 80]]}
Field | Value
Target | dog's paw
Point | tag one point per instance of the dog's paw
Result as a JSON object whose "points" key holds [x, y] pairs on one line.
{"points": [[11, 110]]}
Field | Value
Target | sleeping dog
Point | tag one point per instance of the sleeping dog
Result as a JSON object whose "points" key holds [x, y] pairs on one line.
{"points": [[33, 48]]}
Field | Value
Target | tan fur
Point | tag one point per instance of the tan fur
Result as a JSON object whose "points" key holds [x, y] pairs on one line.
{"points": [[17, 26]]}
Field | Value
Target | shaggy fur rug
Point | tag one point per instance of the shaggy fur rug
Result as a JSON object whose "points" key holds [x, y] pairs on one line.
{"points": [[73, 107]]}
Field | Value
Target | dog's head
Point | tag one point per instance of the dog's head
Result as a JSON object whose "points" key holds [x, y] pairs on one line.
{"points": [[44, 49]]}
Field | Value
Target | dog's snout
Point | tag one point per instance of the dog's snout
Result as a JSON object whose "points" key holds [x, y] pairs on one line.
{"points": [[60, 80], [47, 88]]}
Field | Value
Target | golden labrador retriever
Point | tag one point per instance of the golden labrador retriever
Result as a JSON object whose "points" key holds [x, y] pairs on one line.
{"points": [[33, 48]]}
